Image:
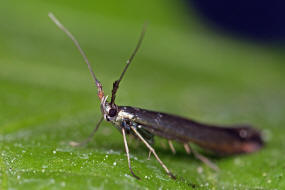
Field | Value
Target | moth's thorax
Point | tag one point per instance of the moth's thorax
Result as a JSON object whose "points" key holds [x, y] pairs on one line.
{"points": [[120, 117], [123, 115]]}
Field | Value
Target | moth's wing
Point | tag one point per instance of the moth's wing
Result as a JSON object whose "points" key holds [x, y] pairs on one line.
{"points": [[224, 140]]}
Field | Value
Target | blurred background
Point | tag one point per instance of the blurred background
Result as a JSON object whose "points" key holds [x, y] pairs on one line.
{"points": [[218, 62]]}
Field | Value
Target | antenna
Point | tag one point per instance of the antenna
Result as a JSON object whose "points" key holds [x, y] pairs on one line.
{"points": [[117, 82], [97, 82]]}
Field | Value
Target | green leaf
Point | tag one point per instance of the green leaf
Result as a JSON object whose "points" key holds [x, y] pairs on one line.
{"points": [[48, 99]]}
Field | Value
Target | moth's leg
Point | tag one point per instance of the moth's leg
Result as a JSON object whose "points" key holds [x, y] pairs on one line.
{"points": [[153, 152], [84, 142], [128, 154], [149, 154], [171, 147], [205, 160], [187, 148]]}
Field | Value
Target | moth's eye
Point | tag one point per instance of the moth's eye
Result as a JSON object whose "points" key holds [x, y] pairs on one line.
{"points": [[112, 112]]}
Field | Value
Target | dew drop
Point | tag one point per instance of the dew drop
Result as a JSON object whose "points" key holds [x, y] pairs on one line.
{"points": [[62, 184]]}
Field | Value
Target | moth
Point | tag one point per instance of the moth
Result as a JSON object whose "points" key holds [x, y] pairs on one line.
{"points": [[145, 124]]}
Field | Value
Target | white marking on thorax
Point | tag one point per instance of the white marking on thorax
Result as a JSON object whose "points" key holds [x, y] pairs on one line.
{"points": [[124, 115]]}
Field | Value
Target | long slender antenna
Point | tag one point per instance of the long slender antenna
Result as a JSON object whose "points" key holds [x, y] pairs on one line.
{"points": [[97, 82], [117, 82], [82, 143]]}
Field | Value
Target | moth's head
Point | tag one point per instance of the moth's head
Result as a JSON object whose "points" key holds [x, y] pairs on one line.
{"points": [[109, 111]]}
